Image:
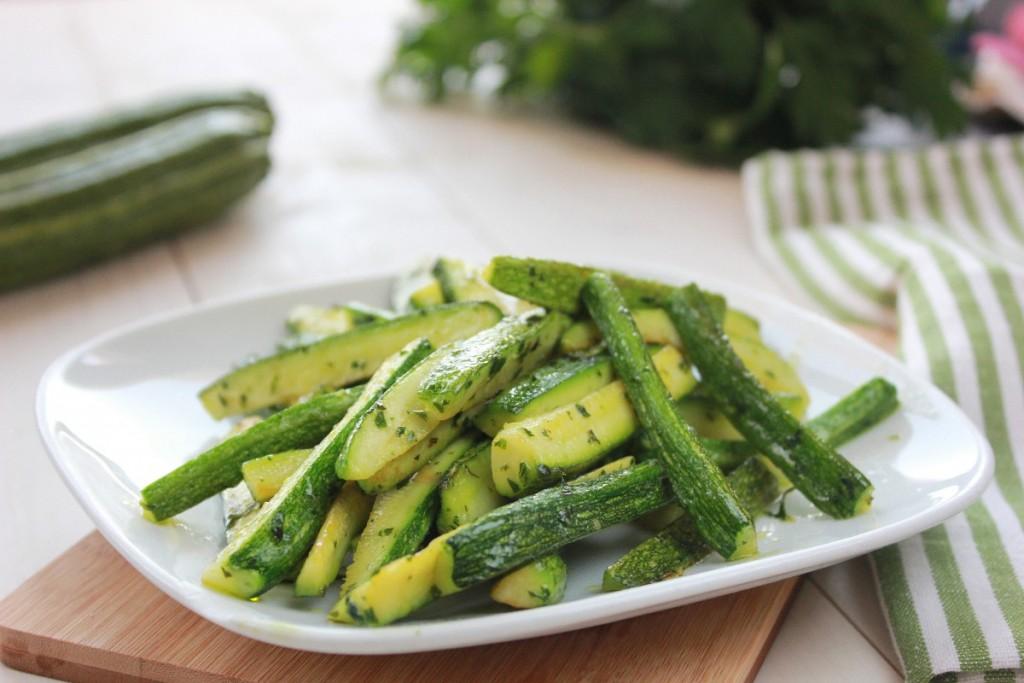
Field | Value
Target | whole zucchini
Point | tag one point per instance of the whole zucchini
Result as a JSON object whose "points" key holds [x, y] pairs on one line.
{"points": [[67, 212], [20, 149]]}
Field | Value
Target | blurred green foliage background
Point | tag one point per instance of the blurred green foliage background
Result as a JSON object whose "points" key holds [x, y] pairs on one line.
{"points": [[715, 80]]}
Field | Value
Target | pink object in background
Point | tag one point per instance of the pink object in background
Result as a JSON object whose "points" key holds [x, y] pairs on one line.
{"points": [[999, 67], [1013, 25]]}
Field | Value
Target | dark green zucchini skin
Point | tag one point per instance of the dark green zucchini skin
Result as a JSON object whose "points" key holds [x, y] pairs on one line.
{"points": [[537, 525], [465, 376], [24, 148], [857, 412], [557, 285], [699, 485], [300, 426], [824, 476], [81, 178], [96, 203], [279, 537], [680, 545]]}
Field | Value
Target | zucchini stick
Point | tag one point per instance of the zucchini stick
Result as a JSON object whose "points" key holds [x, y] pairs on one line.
{"points": [[557, 286], [677, 547], [698, 484], [300, 426], [538, 525], [345, 519], [823, 475], [285, 527], [541, 582]]}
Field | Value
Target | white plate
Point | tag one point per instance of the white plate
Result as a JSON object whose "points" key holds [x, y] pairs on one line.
{"points": [[121, 410]]}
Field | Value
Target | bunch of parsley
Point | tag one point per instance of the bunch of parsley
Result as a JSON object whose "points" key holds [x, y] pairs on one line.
{"points": [[716, 80]]}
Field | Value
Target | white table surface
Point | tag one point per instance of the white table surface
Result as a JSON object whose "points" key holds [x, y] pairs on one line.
{"points": [[359, 186]]}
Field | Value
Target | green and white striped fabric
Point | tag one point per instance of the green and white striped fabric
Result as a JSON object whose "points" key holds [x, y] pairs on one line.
{"points": [[931, 240]]}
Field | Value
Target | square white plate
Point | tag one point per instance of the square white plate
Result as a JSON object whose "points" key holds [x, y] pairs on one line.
{"points": [[121, 410]]}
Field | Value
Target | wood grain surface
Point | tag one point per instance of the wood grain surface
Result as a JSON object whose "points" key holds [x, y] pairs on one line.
{"points": [[89, 616]]}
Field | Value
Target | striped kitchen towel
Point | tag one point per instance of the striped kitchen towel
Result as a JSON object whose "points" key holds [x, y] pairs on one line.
{"points": [[932, 240]]}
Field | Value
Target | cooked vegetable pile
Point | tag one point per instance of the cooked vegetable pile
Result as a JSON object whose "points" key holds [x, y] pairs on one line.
{"points": [[717, 80], [78, 192], [497, 416]]}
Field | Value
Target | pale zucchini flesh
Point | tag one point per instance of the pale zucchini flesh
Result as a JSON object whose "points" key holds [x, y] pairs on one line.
{"points": [[312, 321], [457, 377], [527, 455], [550, 386], [265, 475], [339, 360], [405, 465], [461, 282], [284, 528], [607, 468], [345, 519], [401, 518], [656, 328], [539, 583], [467, 491], [395, 591]]}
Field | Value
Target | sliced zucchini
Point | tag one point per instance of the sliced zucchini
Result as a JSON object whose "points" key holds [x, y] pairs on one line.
{"points": [[824, 476], [460, 282], [457, 377], [541, 582], [556, 285], [653, 323], [322, 321], [701, 413], [706, 419], [285, 527], [340, 359], [265, 475], [680, 545], [405, 465], [607, 468], [300, 426], [740, 325], [699, 485], [564, 381], [345, 519], [656, 328], [529, 528], [532, 453], [467, 490], [773, 373], [396, 590], [415, 289], [851, 416], [428, 295], [857, 412], [401, 518]]}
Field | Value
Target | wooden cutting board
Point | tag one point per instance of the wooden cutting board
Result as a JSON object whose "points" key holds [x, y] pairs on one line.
{"points": [[89, 616]]}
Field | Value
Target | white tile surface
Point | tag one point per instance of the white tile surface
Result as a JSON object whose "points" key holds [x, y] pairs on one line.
{"points": [[359, 186], [816, 643]]}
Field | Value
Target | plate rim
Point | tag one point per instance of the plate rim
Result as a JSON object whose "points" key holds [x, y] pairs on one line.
{"points": [[478, 630]]}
